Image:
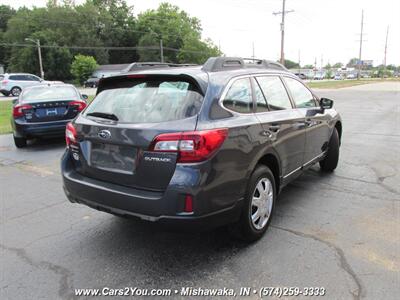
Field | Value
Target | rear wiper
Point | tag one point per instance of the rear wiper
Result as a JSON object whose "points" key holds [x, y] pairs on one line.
{"points": [[103, 115]]}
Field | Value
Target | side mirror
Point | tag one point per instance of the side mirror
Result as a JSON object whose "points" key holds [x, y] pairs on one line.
{"points": [[326, 103], [84, 96]]}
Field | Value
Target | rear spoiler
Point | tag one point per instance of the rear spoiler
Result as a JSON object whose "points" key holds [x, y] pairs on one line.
{"points": [[121, 81]]}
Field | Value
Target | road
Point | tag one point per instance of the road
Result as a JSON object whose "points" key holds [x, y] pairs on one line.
{"points": [[339, 231]]}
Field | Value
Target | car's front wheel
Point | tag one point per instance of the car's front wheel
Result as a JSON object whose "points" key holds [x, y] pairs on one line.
{"points": [[15, 91], [259, 204], [19, 142], [330, 162]]}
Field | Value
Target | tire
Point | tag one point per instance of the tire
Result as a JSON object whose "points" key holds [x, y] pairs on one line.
{"points": [[330, 162], [247, 229], [19, 142], [15, 91]]}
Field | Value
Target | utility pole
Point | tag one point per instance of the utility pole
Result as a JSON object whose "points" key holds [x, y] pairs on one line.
{"points": [[361, 40], [161, 51], [37, 42], [387, 34], [299, 62], [283, 13]]}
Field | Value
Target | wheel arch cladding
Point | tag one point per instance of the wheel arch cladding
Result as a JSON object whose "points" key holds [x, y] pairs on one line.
{"points": [[338, 127], [271, 162]]}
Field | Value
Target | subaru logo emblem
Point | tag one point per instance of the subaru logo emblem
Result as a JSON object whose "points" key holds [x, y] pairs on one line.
{"points": [[104, 134]]}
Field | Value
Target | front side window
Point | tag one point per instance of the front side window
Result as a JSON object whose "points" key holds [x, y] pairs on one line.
{"points": [[275, 92], [302, 97], [148, 101], [239, 97]]}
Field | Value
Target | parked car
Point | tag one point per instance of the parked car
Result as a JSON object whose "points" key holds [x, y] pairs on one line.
{"points": [[91, 82], [351, 76], [14, 83], [44, 111], [319, 76], [198, 146], [301, 76], [338, 77]]}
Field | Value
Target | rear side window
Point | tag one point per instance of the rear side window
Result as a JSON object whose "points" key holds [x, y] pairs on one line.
{"points": [[14, 77], [302, 97], [239, 97], [149, 101], [260, 99], [274, 92]]}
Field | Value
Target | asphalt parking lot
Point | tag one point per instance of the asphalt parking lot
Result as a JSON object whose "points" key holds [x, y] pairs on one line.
{"points": [[338, 231]]}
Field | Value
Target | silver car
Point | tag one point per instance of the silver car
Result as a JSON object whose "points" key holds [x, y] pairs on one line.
{"points": [[14, 83]]}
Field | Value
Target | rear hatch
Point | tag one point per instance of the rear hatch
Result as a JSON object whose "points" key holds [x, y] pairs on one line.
{"points": [[116, 130]]}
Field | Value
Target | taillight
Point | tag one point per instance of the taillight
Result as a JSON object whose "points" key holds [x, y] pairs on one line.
{"points": [[80, 104], [4, 82], [70, 134], [18, 110], [193, 146]]}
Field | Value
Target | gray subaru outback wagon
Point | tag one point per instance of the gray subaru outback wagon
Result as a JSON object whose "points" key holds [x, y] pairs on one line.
{"points": [[198, 146]]}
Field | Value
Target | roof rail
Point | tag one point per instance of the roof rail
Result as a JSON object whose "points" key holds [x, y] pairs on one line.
{"points": [[215, 64]]}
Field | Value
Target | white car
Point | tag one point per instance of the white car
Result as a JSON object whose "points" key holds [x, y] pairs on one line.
{"points": [[351, 76], [14, 83]]}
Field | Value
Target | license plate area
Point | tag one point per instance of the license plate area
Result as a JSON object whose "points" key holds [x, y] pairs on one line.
{"points": [[114, 158], [50, 112]]}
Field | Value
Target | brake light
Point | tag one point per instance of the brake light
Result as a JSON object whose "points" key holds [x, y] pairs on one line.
{"points": [[18, 110], [192, 146], [4, 82], [70, 134], [80, 104]]}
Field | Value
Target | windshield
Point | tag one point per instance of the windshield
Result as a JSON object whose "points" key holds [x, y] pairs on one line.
{"points": [[45, 93], [148, 101]]}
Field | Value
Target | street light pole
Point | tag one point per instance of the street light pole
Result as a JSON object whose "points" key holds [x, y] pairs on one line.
{"points": [[40, 59], [37, 42]]}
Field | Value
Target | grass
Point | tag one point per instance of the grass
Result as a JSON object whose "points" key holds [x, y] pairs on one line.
{"points": [[337, 84], [5, 115]]}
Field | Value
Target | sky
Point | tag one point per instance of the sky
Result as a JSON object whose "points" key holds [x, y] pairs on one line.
{"points": [[317, 30]]}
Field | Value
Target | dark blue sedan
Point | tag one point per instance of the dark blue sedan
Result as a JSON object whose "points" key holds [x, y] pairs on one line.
{"points": [[44, 111]]}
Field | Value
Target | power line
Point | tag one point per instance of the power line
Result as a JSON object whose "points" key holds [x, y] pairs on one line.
{"points": [[104, 47], [283, 13]]}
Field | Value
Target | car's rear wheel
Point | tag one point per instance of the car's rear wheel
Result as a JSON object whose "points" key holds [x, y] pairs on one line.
{"points": [[330, 162], [258, 205], [19, 142], [15, 91]]}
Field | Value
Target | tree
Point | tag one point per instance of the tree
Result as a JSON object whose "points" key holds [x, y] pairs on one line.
{"points": [[308, 66], [291, 64], [352, 63], [6, 13], [338, 65], [177, 30], [328, 66], [82, 67]]}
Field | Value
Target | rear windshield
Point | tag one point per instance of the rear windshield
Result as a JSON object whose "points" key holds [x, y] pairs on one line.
{"points": [[48, 93], [149, 101]]}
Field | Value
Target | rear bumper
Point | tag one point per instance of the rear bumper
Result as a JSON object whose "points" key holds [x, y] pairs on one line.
{"points": [[48, 129], [161, 207]]}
